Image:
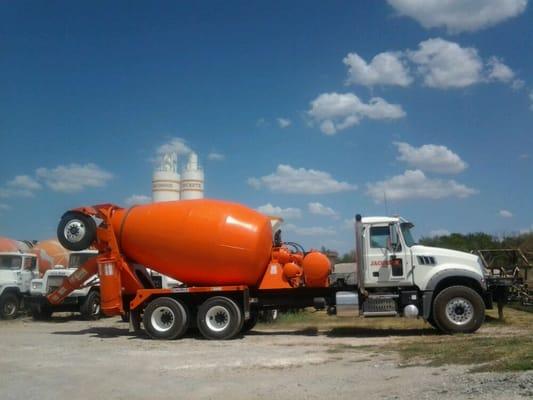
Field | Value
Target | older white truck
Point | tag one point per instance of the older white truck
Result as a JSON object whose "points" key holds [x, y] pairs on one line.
{"points": [[85, 300], [395, 276], [17, 269]]}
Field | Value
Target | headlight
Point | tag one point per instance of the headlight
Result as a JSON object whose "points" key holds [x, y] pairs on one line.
{"points": [[36, 285]]}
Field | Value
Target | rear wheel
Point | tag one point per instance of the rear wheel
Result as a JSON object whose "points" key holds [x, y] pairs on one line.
{"points": [[90, 309], [250, 323], [165, 318], [219, 318], [458, 309], [40, 313], [9, 306]]}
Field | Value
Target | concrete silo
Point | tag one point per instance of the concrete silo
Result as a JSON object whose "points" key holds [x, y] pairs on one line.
{"points": [[192, 180]]}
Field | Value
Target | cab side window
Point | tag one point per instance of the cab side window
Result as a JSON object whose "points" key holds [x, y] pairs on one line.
{"points": [[379, 236]]}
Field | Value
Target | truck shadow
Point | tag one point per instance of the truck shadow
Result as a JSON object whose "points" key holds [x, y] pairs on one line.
{"points": [[102, 332], [350, 332]]}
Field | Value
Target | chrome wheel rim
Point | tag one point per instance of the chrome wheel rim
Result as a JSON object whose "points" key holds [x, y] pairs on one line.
{"points": [[10, 308], [162, 319], [217, 318], [459, 311], [74, 230]]}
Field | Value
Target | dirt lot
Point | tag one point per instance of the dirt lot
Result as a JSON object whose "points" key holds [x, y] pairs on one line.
{"points": [[67, 358]]}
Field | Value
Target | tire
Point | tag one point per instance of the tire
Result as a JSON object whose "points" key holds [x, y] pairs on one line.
{"points": [[165, 319], [9, 306], [40, 313], [219, 318], [432, 322], [458, 309], [76, 231], [90, 309], [249, 324]]}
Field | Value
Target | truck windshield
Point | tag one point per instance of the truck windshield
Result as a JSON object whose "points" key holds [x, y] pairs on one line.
{"points": [[77, 260], [10, 262], [407, 235]]}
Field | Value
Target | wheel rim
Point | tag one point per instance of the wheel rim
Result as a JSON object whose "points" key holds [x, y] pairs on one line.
{"points": [[10, 308], [217, 318], [74, 231], [459, 311], [162, 319], [95, 309]]}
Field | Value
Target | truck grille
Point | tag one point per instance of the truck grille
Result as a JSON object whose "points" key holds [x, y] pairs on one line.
{"points": [[54, 282]]}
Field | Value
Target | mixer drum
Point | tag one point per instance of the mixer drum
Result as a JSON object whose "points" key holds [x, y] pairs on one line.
{"points": [[198, 242]]}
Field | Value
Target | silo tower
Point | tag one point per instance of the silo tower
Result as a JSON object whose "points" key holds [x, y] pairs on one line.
{"points": [[192, 180], [166, 180]]}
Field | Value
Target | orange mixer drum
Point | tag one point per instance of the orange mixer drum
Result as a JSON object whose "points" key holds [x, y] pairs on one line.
{"points": [[198, 242], [50, 253], [9, 245]]}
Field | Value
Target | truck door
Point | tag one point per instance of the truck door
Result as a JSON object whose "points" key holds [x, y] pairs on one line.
{"points": [[389, 264], [28, 272]]}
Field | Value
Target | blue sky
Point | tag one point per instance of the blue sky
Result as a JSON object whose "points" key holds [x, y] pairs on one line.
{"points": [[317, 110]]}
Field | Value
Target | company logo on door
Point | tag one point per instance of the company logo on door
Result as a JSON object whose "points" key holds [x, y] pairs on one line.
{"points": [[386, 263]]}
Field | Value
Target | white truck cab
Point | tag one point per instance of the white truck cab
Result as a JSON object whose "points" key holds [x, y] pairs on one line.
{"points": [[396, 276], [17, 269], [85, 300]]}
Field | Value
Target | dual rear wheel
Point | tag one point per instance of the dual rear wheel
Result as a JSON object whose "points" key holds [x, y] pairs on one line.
{"points": [[217, 318]]}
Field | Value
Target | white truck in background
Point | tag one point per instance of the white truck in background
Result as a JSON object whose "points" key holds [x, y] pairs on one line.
{"points": [[85, 300], [17, 270]]}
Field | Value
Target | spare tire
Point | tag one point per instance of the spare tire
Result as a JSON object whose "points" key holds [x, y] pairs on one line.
{"points": [[76, 231]]}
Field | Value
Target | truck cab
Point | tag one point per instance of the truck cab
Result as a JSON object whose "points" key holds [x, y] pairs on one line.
{"points": [[85, 300], [17, 270], [394, 275]]}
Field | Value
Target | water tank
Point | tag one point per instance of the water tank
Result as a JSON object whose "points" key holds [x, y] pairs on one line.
{"points": [[166, 180], [192, 180], [198, 242]]}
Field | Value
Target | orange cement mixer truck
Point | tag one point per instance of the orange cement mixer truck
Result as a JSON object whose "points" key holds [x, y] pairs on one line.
{"points": [[233, 266]]}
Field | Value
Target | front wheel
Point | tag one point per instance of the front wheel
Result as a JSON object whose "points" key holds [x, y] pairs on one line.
{"points": [[458, 309], [40, 313], [9, 306], [90, 309], [219, 318]]}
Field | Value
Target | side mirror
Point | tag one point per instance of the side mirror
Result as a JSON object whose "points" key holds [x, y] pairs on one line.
{"points": [[394, 241]]}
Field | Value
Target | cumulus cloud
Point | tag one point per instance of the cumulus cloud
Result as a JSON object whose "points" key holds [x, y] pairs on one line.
{"points": [[175, 145], [214, 156], [439, 232], [311, 230], [499, 71], [285, 213], [505, 214], [137, 199], [73, 177], [430, 157], [317, 208], [444, 64], [338, 111], [20, 186], [459, 15], [387, 68], [414, 184], [287, 179], [284, 122]]}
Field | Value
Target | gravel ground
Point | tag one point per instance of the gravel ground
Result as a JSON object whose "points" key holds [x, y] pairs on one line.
{"points": [[67, 358]]}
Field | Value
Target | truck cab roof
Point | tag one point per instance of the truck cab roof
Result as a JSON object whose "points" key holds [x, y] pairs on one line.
{"points": [[383, 220]]}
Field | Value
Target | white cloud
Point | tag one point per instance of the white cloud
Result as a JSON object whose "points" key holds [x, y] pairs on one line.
{"points": [[517, 84], [214, 156], [505, 214], [20, 186], [338, 111], [317, 208], [284, 122], [285, 213], [137, 199], [175, 145], [430, 157], [386, 68], [310, 231], [413, 184], [287, 179], [439, 232], [348, 223], [444, 64], [74, 177], [459, 15], [498, 71], [261, 122]]}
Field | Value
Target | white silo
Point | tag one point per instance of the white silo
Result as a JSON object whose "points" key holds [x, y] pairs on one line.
{"points": [[192, 180], [166, 180]]}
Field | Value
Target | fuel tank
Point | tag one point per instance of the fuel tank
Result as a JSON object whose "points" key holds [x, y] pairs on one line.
{"points": [[197, 242]]}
